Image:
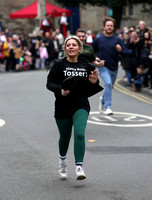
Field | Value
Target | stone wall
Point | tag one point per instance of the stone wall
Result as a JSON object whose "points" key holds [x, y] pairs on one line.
{"points": [[138, 15], [90, 16], [15, 25]]}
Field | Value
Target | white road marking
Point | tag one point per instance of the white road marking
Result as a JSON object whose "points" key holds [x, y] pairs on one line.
{"points": [[120, 119], [2, 122]]}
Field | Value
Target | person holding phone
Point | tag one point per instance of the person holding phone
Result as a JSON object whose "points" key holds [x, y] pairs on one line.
{"points": [[108, 47], [71, 104]]}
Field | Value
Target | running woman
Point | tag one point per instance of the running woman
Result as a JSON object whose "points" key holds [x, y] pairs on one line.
{"points": [[71, 105]]}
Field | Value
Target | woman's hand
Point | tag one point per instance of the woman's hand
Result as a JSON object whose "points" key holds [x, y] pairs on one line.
{"points": [[65, 92], [93, 77]]}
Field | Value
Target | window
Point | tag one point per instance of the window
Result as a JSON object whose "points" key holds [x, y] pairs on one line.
{"points": [[128, 9]]}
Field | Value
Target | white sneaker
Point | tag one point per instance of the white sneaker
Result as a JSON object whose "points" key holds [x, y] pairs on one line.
{"points": [[63, 171], [101, 106], [108, 111], [80, 173]]}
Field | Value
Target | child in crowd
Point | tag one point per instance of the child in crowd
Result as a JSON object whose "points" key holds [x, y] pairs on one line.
{"points": [[27, 58], [138, 80], [43, 55], [37, 54], [17, 55]]}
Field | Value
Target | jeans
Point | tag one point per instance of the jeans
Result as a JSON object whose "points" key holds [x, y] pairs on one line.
{"points": [[109, 78], [37, 63], [43, 63], [139, 82], [129, 76]]}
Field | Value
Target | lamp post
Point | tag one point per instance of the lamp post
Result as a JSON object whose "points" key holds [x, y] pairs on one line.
{"points": [[110, 14]]}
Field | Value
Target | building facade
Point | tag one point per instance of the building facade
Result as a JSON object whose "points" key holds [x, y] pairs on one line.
{"points": [[90, 16]]}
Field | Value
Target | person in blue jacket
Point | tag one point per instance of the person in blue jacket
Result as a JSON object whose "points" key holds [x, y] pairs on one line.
{"points": [[108, 47]]}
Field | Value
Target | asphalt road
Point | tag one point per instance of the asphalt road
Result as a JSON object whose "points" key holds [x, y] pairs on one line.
{"points": [[118, 159]]}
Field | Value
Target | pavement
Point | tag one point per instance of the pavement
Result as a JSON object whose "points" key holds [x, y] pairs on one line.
{"points": [[144, 90]]}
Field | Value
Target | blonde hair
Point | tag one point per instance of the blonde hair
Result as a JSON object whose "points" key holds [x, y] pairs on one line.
{"points": [[76, 39]]}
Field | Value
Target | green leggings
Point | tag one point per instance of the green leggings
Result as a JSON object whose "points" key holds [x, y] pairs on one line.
{"points": [[78, 121]]}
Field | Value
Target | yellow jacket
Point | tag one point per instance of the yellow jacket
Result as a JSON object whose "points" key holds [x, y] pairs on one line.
{"points": [[6, 49]]}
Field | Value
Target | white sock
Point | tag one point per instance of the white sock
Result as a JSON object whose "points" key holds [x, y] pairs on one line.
{"points": [[79, 164], [62, 160]]}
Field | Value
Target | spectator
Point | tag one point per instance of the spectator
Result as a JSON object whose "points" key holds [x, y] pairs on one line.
{"points": [[136, 44], [33, 40], [1, 54], [23, 40], [17, 55], [43, 55], [68, 33], [150, 71], [57, 47], [132, 28], [89, 37], [138, 80], [3, 37], [142, 29], [14, 45], [64, 24], [150, 35], [118, 31], [45, 25], [50, 47], [11, 59], [28, 59], [37, 54], [6, 55], [100, 33], [7, 33], [127, 60], [145, 52], [31, 48], [59, 36], [150, 61]]}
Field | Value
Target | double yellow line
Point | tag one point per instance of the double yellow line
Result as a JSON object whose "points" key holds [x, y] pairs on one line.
{"points": [[138, 96]]}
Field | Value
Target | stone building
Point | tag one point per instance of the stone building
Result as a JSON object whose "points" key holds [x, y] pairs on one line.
{"points": [[90, 16], [132, 15]]}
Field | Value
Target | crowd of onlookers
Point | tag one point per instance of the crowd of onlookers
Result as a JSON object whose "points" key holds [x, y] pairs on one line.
{"points": [[19, 53], [138, 63]]}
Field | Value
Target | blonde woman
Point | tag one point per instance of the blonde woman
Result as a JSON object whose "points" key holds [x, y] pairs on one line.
{"points": [[71, 104]]}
